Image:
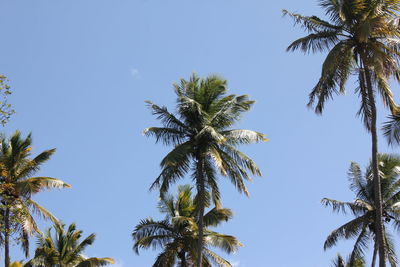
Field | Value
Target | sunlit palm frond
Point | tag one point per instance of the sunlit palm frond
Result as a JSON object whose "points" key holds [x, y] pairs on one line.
{"points": [[239, 137], [339, 206], [35, 185], [218, 260], [227, 243]]}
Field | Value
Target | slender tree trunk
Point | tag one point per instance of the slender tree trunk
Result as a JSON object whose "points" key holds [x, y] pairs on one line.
{"points": [[375, 172], [201, 204], [7, 237], [374, 255]]}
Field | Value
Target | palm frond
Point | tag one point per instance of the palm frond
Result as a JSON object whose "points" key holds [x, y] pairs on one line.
{"points": [[311, 23], [169, 136], [239, 137], [391, 129], [218, 260], [174, 166], [349, 230], [167, 118], [41, 211], [360, 245], [37, 184], [147, 228], [226, 243], [216, 216], [340, 206], [93, 262]]}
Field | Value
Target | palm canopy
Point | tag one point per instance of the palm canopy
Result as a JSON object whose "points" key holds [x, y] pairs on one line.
{"points": [[362, 37], [363, 208], [17, 186], [64, 249], [202, 130], [177, 234]]}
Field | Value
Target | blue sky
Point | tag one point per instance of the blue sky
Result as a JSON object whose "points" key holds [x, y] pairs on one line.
{"points": [[82, 69]]}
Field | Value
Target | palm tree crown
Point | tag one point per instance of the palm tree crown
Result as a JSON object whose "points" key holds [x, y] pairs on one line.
{"points": [[202, 129], [177, 235], [362, 37], [65, 249], [17, 186], [363, 207]]}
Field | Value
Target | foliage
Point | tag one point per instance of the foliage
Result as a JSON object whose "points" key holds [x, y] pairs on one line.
{"points": [[177, 234], [362, 37], [363, 209], [5, 108], [17, 186], [202, 128], [204, 142], [340, 262], [64, 249]]}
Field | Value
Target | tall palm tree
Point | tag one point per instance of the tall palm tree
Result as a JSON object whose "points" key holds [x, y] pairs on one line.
{"points": [[178, 233], [204, 142], [64, 249], [363, 208], [362, 38], [17, 186]]}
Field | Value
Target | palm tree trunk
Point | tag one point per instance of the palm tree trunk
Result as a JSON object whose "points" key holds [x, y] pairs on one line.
{"points": [[201, 204], [374, 255], [375, 172], [7, 237]]}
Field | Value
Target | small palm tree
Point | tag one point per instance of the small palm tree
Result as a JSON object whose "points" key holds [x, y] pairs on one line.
{"points": [[340, 262], [177, 235], [362, 37], [64, 249], [17, 186], [204, 141], [362, 227]]}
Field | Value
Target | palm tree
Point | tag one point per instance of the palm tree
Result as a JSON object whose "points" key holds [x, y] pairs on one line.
{"points": [[362, 38], [17, 187], [64, 249], [178, 233], [203, 140], [363, 208]]}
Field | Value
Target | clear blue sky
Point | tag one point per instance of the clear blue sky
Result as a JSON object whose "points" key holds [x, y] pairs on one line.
{"points": [[82, 69]]}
